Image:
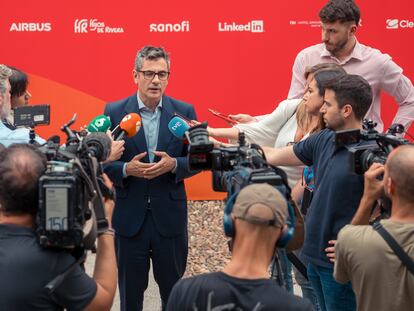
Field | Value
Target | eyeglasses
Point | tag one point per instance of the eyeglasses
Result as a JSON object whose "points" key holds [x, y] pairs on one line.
{"points": [[149, 75]]}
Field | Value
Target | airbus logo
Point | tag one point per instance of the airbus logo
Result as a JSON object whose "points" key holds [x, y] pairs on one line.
{"points": [[30, 27], [394, 23]]}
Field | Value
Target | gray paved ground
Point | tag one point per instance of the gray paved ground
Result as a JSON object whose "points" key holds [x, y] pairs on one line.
{"points": [[152, 300]]}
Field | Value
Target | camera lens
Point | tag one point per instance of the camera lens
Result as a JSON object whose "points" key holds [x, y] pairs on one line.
{"points": [[372, 156]]}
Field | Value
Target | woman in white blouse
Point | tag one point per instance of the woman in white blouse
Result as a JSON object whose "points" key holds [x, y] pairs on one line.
{"points": [[291, 121]]}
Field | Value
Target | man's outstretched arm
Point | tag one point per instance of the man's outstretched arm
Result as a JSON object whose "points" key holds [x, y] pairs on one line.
{"points": [[282, 156]]}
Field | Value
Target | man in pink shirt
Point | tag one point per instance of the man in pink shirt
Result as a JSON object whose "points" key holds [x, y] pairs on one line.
{"points": [[340, 19]]}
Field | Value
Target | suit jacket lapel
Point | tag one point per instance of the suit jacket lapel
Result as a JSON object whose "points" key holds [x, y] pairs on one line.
{"points": [[139, 138]]}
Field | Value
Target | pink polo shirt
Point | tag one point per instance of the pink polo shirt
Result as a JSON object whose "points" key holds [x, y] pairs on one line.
{"points": [[377, 68]]}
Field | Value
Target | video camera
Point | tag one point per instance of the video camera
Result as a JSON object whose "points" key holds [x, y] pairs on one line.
{"points": [[232, 167], [367, 146], [70, 186]]}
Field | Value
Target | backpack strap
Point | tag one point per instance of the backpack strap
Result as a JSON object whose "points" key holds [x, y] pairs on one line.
{"points": [[402, 255]]}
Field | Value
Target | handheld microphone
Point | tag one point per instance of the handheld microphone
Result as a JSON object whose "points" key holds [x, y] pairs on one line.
{"points": [[100, 123], [178, 127], [99, 145], [128, 126]]}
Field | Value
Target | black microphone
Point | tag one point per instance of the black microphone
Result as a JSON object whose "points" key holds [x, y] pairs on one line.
{"points": [[55, 139], [99, 145]]}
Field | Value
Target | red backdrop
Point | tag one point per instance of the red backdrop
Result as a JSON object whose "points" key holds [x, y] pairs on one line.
{"points": [[78, 69]]}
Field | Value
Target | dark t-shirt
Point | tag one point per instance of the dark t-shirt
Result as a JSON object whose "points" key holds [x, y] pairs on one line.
{"points": [[219, 291], [25, 269], [336, 195]]}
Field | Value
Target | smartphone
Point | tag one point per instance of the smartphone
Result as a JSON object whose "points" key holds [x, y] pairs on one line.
{"points": [[223, 116], [189, 122]]}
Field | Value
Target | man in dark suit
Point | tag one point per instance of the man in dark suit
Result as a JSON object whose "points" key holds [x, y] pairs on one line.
{"points": [[151, 214]]}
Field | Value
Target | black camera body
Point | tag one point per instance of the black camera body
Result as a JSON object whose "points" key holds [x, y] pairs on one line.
{"points": [[232, 167], [63, 206], [376, 148], [70, 191]]}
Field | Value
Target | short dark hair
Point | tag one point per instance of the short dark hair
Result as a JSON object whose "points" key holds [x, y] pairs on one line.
{"points": [[353, 90], [21, 166], [18, 82], [149, 52], [324, 77], [340, 11]]}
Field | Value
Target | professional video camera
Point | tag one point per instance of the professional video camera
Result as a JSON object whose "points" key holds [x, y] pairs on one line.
{"points": [[368, 146], [71, 184], [233, 167]]}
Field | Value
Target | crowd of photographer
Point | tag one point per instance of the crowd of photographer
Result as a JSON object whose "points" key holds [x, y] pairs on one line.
{"points": [[354, 252]]}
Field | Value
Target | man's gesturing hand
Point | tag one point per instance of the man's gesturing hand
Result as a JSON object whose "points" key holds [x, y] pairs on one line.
{"points": [[135, 167], [166, 164]]}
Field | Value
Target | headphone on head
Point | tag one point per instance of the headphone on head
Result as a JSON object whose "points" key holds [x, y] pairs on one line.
{"points": [[229, 227]]}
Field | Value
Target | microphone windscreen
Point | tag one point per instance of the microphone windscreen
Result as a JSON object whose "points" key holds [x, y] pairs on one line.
{"points": [[178, 127], [100, 123], [55, 139], [99, 145], [130, 124]]}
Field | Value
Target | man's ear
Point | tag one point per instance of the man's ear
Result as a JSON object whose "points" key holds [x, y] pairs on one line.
{"points": [[347, 110], [390, 186], [353, 29], [135, 75]]}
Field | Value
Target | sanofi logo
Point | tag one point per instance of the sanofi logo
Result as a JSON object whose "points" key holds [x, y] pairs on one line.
{"points": [[184, 26]]}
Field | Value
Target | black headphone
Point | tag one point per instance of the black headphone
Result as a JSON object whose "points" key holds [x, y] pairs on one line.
{"points": [[229, 229]]}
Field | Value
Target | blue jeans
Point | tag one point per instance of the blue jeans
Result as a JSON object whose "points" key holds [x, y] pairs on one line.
{"points": [[331, 295], [305, 285]]}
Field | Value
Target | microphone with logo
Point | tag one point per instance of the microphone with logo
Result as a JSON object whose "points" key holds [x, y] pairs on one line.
{"points": [[129, 126], [178, 127], [100, 123]]}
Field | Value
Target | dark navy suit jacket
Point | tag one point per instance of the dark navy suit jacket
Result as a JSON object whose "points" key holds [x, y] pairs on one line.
{"points": [[166, 192]]}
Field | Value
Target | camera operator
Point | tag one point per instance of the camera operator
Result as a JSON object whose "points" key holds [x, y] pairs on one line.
{"points": [[258, 219], [8, 133], [26, 267], [379, 279], [337, 191]]}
